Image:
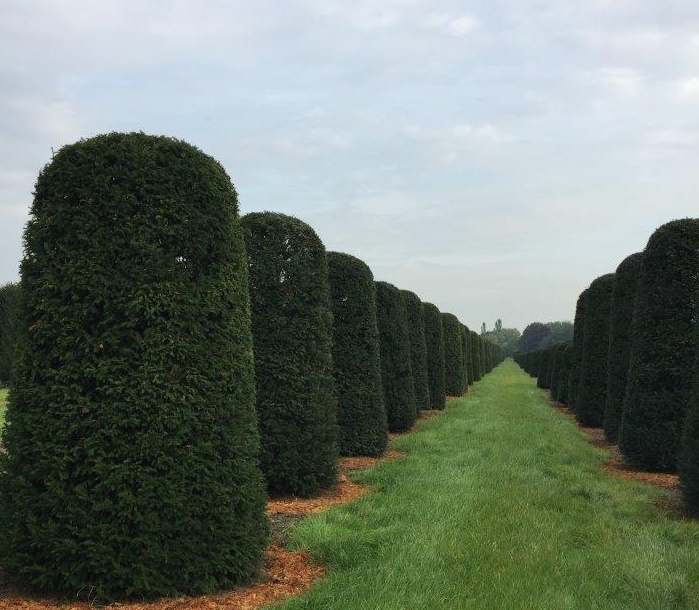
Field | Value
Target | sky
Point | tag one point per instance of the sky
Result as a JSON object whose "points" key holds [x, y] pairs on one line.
{"points": [[492, 156]]}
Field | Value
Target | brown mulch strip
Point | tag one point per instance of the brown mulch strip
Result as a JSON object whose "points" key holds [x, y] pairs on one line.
{"points": [[616, 464], [286, 573]]}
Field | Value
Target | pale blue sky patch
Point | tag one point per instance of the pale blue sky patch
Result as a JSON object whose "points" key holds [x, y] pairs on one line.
{"points": [[493, 157]]}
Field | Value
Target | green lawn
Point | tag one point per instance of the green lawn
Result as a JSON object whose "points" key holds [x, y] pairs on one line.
{"points": [[501, 504]]}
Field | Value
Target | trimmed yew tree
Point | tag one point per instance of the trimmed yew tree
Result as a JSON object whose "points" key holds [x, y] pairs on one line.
{"points": [[9, 328], [131, 465], [434, 339], [565, 358], [396, 368], [578, 344], [453, 356], [466, 349], [543, 374], [689, 454], [592, 388], [292, 333], [361, 415], [623, 297], [476, 356], [418, 348], [663, 347]]}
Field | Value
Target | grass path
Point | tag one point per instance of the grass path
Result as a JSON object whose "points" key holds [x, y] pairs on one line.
{"points": [[501, 504]]}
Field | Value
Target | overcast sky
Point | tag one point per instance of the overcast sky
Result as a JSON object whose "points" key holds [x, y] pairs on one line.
{"points": [[492, 156]]}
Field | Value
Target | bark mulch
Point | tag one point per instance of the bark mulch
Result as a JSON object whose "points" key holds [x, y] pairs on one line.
{"points": [[286, 573]]}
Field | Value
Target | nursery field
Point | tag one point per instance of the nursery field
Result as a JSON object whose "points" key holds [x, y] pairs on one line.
{"points": [[502, 503]]}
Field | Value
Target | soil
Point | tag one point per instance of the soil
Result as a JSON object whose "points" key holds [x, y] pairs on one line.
{"points": [[286, 573]]}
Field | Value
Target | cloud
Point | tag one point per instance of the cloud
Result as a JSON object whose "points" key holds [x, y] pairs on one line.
{"points": [[687, 90]]}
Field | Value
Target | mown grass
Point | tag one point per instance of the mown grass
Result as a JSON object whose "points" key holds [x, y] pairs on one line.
{"points": [[501, 504]]}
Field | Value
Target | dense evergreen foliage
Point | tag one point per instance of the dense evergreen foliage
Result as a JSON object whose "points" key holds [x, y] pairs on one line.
{"points": [[578, 344], [592, 387], [663, 347], [454, 381], [623, 297], [292, 332], [689, 453], [466, 349], [361, 415], [131, 465], [565, 357], [476, 356], [396, 367], [418, 348], [543, 379], [9, 328], [434, 339]]}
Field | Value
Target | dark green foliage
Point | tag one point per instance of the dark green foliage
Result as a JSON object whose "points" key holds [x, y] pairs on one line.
{"points": [[565, 356], [131, 465], [434, 339], [396, 368], [466, 349], [592, 388], [578, 346], [532, 336], [662, 348], [543, 379], [623, 297], [418, 348], [689, 454], [292, 334], [476, 356], [559, 332], [453, 356], [9, 328], [361, 415]]}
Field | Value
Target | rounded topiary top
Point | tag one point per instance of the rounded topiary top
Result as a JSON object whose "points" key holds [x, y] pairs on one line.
{"points": [[363, 427], [453, 355], [292, 332], [578, 342], [623, 299], [663, 347], [131, 418], [434, 340], [592, 388], [396, 367], [418, 348]]}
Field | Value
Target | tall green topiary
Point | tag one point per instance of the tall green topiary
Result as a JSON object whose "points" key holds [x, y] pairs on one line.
{"points": [[9, 328], [565, 356], [466, 349], [689, 453], [131, 465], [623, 297], [578, 346], [434, 339], [662, 348], [453, 355], [396, 368], [292, 335], [543, 378], [418, 348], [592, 388], [476, 356], [361, 415]]}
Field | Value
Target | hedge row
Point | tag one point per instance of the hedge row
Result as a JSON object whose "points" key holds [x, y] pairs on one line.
{"points": [[634, 365], [141, 430]]}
